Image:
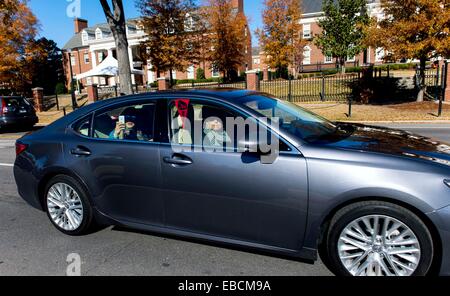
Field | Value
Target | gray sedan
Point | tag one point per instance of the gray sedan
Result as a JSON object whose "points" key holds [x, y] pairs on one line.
{"points": [[243, 168]]}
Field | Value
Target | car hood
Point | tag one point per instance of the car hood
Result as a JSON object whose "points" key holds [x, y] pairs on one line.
{"points": [[391, 141]]}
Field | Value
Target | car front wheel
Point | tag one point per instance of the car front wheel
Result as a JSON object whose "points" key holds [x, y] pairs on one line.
{"points": [[377, 238], [67, 206]]}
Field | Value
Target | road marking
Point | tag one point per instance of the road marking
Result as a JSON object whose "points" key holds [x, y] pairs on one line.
{"points": [[6, 165]]}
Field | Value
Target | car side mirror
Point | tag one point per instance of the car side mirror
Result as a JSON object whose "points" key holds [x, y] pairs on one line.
{"points": [[251, 147]]}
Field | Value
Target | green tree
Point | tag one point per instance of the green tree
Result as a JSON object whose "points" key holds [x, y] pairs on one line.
{"points": [[47, 67], [171, 28], [413, 29], [343, 29]]}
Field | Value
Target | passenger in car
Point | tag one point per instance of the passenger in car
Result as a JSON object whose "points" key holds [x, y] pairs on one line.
{"points": [[126, 127], [215, 136]]}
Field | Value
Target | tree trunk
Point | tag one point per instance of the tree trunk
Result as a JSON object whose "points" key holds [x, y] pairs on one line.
{"points": [[342, 63], [117, 23], [422, 86], [171, 77], [123, 58]]}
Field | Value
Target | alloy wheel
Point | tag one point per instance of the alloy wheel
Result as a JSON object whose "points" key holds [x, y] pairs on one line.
{"points": [[65, 207], [378, 245]]}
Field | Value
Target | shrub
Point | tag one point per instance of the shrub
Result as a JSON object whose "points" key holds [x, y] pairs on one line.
{"points": [[60, 88], [200, 74]]}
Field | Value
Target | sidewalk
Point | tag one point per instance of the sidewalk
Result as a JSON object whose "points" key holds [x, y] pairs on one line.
{"points": [[425, 112]]}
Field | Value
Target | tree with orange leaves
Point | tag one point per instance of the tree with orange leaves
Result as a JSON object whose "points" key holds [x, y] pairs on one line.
{"points": [[227, 30], [413, 29], [18, 28], [280, 37]]}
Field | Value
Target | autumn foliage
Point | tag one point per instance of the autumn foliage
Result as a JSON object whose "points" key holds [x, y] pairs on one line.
{"points": [[171, 27], [413, 29], [228, 33], [18, 27], [281, 35]]}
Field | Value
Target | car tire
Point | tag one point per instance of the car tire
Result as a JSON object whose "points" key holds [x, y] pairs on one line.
{"points": [[72, 216], [406, 251]]}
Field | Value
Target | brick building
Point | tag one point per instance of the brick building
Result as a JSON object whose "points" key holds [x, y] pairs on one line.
{"points": [[90, 45], [313, 58]]}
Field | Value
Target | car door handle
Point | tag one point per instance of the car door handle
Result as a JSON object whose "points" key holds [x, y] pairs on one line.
{"points": [[177, 161], [80, 151]]}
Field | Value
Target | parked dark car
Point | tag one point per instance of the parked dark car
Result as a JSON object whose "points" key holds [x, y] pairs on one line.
{"points": [[370, 200], [16, 112]]}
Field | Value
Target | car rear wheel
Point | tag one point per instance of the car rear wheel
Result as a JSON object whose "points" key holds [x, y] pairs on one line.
{"points": [[67, 206], [377, 238]]}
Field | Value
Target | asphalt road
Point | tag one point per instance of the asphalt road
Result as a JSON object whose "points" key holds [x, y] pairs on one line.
{"points": [[30, 245]]}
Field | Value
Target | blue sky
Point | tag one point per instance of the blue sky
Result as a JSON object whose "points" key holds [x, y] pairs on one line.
{"points": [[57, 25]]}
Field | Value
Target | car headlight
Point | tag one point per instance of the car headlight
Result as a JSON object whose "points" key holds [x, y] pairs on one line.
{"points": [[447, 182]]}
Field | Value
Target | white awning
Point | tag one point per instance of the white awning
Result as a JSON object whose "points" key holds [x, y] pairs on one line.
{"points": [[109, 67]]}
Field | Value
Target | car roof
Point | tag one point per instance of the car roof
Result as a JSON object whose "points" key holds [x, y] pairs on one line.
{"points": [[219, 93]]}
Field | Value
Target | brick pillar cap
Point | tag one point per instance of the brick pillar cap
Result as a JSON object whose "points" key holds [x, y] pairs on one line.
{"points": [[252, 72], [162, 78], [37, 88]]}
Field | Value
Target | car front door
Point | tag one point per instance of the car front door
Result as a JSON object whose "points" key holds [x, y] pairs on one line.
{"points": [[229, 194], [121, 170]]}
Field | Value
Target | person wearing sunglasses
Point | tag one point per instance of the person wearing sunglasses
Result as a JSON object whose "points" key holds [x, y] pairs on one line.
{"points": [[126, 128]]}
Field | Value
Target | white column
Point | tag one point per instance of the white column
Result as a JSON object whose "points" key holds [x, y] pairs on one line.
{"points": [[130, 53], [93, 59]]}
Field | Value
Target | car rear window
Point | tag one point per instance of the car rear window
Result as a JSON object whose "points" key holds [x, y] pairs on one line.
{"points": [[14, 102]]}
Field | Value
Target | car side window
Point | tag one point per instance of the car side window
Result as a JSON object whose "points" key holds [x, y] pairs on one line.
{"points": [[130, 123], [201, 123], [83, 127]]}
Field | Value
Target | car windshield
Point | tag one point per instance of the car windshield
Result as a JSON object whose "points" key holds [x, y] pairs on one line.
{"points": [[291, 118]]}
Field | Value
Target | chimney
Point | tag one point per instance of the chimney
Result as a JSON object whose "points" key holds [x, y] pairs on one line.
{"points": [[80, 24], [239, 4]]}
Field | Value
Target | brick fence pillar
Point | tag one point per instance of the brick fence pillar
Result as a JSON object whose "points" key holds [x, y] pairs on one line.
{"points": [[447, 82], [253, 80], [92, 91], [163, 83], [266, 74], [38, 98]]}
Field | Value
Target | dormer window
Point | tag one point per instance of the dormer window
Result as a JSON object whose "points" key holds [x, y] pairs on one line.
{"points": [[98, 34], [85, 36]]}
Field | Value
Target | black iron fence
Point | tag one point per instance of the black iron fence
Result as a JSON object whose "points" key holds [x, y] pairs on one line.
{"points": [[203, 85], [332, 88], [49, 102]]}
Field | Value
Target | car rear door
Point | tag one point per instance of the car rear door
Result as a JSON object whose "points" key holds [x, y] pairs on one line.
{"points": [[123, 175], [232, 194]]}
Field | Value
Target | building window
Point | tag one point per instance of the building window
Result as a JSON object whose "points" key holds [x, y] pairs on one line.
{"points": [[351, 59], [73, 61], [89, 80], [101, 57], [85, 36], [307, 31], [191, 72], [256, 61], [306, 55], [328, 59], [379, 54], [102, 81], [98, 34], [86, 58], [215, 73]]}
